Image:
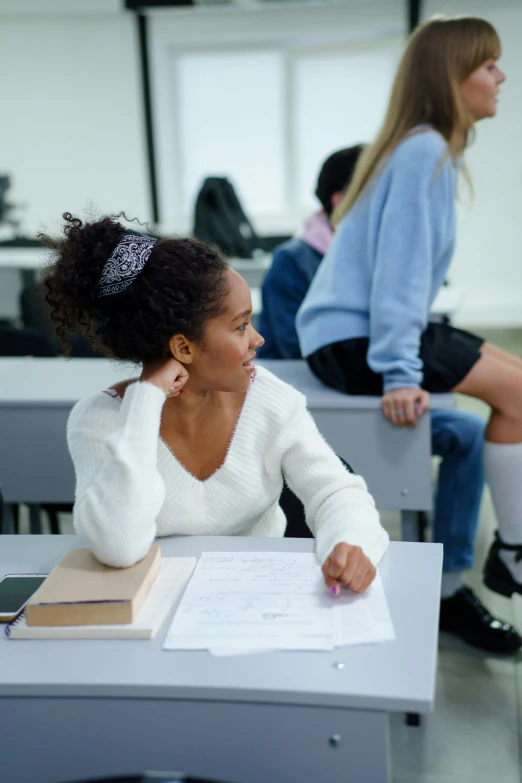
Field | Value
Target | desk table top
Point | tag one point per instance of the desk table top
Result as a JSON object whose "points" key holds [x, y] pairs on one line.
{"points": [[393, 676]]}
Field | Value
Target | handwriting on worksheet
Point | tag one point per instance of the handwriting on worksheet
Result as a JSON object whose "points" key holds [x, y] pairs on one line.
{"points": [[255, 597], [269, 600], [272, 572]]}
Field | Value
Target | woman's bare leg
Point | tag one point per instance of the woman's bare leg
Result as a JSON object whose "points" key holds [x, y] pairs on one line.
{"points": [[504, 356], [497, 380]]}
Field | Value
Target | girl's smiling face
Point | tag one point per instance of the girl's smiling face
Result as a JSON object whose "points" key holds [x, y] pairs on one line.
{"points": [[222, 361]]}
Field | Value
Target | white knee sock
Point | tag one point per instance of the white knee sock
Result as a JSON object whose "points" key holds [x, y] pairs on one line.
{"points": [[503, 467], [451, 582]]}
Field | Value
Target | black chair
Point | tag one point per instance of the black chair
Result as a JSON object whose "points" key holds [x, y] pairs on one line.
{"points": [[8, 524], [32, 308], [25, 342], [34, 316], [81, 347]]}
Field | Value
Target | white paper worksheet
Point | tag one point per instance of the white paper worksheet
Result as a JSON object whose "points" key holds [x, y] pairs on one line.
{"points": [[257, 601]]}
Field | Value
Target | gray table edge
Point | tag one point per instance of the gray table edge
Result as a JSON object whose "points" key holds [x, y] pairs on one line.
{"points": [[227, 693]]}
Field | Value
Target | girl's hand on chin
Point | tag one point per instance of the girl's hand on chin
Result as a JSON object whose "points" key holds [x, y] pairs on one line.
{"points": [[169, 375]]}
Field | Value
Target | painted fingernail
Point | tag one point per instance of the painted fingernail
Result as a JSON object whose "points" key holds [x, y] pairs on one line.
{"points": [[334, 589]]}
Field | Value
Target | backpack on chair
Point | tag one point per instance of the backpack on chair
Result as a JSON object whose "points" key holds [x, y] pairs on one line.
{"points": [[219, 219]]}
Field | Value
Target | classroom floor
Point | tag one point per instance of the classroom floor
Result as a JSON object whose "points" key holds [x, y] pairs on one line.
{"points": [[475, 733]]}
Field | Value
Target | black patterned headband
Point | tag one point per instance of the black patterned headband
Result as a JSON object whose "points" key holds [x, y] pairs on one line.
{"points": [[125, 263]]}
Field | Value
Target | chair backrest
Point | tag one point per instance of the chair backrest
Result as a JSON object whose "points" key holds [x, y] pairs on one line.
{"points": [[34, 316], [5, 183], [296, 526], [32, 309], [25, 342]]}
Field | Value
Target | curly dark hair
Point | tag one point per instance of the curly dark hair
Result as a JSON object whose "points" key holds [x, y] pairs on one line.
{"points": [[181, 286]]}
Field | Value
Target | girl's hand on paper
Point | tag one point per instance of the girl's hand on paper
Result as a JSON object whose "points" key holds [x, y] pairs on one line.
{"points": [[168, 374], [348, 566]]}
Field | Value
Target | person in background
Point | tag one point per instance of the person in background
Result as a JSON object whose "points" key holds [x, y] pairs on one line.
{"points": [[296, 261], [457, 436], [364, 324]]}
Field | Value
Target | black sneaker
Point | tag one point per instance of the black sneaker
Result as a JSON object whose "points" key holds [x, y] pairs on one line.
{"points": [[465, 616], [497, 575]]}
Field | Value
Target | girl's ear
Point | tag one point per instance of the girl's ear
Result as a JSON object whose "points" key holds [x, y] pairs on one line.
{"points": [[181, 349]]}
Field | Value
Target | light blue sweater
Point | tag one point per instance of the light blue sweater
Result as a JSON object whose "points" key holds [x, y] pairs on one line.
{"points": [[387, 261]]}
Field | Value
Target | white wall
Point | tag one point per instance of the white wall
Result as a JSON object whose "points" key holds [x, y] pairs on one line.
{"points": [[488, 261], [71, 118]]}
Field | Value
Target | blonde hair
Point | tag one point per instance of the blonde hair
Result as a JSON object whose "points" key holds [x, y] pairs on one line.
{"points": [[439, 56]]}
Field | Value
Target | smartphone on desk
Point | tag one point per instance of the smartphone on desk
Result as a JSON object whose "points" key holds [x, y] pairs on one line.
{"points": [[15, 591]]}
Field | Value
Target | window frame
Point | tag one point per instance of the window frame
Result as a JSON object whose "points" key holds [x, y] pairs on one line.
{"points": [[174, 34]]}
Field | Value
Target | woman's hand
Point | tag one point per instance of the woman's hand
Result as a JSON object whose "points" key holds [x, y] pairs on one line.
{"points": [[348, 566], [404, 406], [169, 375]]}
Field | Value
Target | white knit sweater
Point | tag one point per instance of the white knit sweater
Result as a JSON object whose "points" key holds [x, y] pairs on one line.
{"points": [[130, 488]]}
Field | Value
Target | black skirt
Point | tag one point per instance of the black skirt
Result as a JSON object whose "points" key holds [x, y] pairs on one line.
{"points": [[448, 354]]}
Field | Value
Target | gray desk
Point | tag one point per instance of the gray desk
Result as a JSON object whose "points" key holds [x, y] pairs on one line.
{"points": [[396, 462], [75, 709], [36, 396]]}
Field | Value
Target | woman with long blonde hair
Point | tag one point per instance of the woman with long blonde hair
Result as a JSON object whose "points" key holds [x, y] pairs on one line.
{"points": [[364, 324]]}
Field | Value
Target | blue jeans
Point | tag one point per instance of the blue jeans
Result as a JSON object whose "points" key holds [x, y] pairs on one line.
{"points": [[457, 437]]}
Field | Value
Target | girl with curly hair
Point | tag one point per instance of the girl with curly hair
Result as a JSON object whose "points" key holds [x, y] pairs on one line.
{"points": [[199, 442]]}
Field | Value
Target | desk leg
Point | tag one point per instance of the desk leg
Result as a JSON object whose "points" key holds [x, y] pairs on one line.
{"points": [[77, 739], [9, 526], [412, 525], [35, 519], [413, 719], [28, 277]]}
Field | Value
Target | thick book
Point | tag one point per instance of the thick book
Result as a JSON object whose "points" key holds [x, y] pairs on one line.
{"points": [[172, 578], [82, 591]]}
